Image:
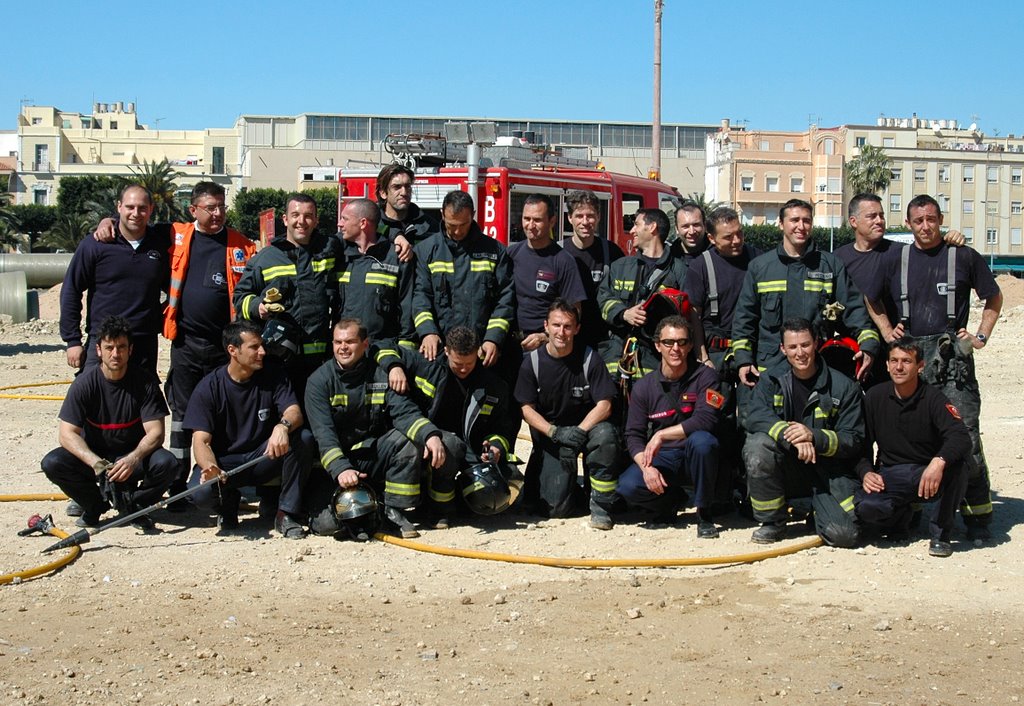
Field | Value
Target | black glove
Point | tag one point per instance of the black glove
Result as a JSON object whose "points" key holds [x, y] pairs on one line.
{"points": [[570, 437]]}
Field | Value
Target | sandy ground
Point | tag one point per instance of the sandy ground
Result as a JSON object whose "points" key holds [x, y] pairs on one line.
{"points": [[188, 616]]}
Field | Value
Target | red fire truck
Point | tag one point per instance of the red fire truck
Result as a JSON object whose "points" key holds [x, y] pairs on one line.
{"points": [[504, 175]]}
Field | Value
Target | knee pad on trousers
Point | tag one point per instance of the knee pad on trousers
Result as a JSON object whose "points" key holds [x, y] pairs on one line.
{"points": [[324, 523], [843, 535]]}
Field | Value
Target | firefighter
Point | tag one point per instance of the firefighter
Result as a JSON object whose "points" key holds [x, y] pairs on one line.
{"points": [[542, 271], [594, 255], [111, 431], [566, 397], [805, 431], [295, 279], [933, 307], [242, 411], [673, 412], [691, 231], [630, 283], [364, 429], [375, 286], [463, 278], [401, 219], [470, 405], [922, 447], [796, 280], [122, 279]]}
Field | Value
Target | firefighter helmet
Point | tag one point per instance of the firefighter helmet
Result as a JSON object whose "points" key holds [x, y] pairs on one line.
{"points": [[665, 302], [282, 339], [486, 490], [838, 353]]}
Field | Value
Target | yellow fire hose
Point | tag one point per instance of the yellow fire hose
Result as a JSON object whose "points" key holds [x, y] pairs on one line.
{"points": [[33, 397], [72, 554]]}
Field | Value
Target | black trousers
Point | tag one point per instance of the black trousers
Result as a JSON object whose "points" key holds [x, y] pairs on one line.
{"points": [[79, 482]]}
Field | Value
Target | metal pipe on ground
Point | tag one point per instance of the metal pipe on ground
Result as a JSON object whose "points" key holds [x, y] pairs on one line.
{"points": [[42, 270], [16, 300]]}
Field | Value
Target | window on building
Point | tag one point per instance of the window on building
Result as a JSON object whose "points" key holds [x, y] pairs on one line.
{"points": [[217, 159], [113, 124], [307, 176], [66, 124], [896, 174], [37, 121], [992, 208], [771, 184], [39, 197], [968, 206], [747, 183], [788, 147], [888, 142], [796, 184], [1015, 236], [835, 185], [968, 174], [944, 172], [894, 203], [86, 123], [991, 236], [829, 145], [968, 232], [943, 202], [1015, 208], [1015, 175], [919, 173], [861, 141], [992, 174], [765, 145]]}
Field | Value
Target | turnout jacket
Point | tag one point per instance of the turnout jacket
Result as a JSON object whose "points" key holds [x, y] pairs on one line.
{"points": [[463, 283], [653, 407], [417, 227], [307, 278], [486, 416], [779, 287], [834, 412], [376, 288], [348, 410], [629, 283]]}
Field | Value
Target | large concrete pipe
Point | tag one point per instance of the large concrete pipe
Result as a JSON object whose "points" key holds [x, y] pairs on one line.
{"points": [[15, 298], [42, 270]]}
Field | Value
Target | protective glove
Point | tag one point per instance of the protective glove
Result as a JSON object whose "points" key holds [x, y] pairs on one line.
{"points": [[272, 301], [102, 466], [570, 437]]}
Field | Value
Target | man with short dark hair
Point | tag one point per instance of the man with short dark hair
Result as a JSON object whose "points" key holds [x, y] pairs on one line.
{"points": [[543, 272], [805, 429], [463, 278], [364, 429], [470, 405], [295, 280], [243, 411], [796, 280], [931, 284], [922, 446], [624, 294], [124, 278], [594, 255], [669, 431], [111, 431], [566, 397], [691, 231]]}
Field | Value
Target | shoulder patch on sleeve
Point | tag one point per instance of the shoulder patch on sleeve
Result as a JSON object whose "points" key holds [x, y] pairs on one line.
{"points": [[953, 411], [715, 399]]}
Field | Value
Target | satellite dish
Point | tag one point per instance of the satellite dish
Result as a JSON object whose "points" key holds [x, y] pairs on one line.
{"points": [[973, 127]]}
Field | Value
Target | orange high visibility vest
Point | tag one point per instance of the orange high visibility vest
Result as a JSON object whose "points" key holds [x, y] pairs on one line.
{"points": [[238, 251]]}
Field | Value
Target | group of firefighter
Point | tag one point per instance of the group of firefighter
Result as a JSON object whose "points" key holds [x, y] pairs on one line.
{"points": [[385, 371]]}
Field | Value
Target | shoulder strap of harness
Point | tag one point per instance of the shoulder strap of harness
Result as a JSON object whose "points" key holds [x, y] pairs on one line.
{"points": [[607, 254], [535, 364], [904, 277], [951, 287], [712, 284]]}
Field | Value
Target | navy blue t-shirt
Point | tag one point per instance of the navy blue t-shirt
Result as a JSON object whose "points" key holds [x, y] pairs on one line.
{"points": [[867, 272], [565, 396], [111, 413], [729, 273], [541, 276], [926, 283], [592, 269], [239, 416], [205, 308]]}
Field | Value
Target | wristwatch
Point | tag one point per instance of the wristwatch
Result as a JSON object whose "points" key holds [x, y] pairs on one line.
{"points": [[981, 337], [285, 423]]}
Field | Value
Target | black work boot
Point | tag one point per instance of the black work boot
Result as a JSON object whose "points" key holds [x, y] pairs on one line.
{"points": [[769, 533], [403, 523]]}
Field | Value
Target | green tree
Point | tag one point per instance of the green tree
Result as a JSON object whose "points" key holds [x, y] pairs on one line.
{"points": [[245, 210], [33, 220], [159, 178], [75, 192], [701, 200], [868, 172], [67, 233]]}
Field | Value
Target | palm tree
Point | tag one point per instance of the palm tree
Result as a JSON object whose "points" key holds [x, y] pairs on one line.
{"points": [[159, 178], [705, 205], [869, 172], [9, 224], [67, 233]]}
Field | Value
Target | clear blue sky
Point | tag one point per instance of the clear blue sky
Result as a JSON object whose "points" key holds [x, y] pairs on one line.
{"points": [[773, 64]]}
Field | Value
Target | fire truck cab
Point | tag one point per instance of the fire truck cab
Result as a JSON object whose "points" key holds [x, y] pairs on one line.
{"points": [[500, 178]]}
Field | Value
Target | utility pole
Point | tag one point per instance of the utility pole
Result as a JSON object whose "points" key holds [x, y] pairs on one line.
{"points": [[655, 172]]}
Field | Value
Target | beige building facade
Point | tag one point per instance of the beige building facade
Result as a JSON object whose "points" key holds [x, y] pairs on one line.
{"points": [[54, 143], [977, 179]]}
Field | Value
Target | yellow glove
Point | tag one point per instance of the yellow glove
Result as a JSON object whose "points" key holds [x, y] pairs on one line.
{"points": [[271, 301]]}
